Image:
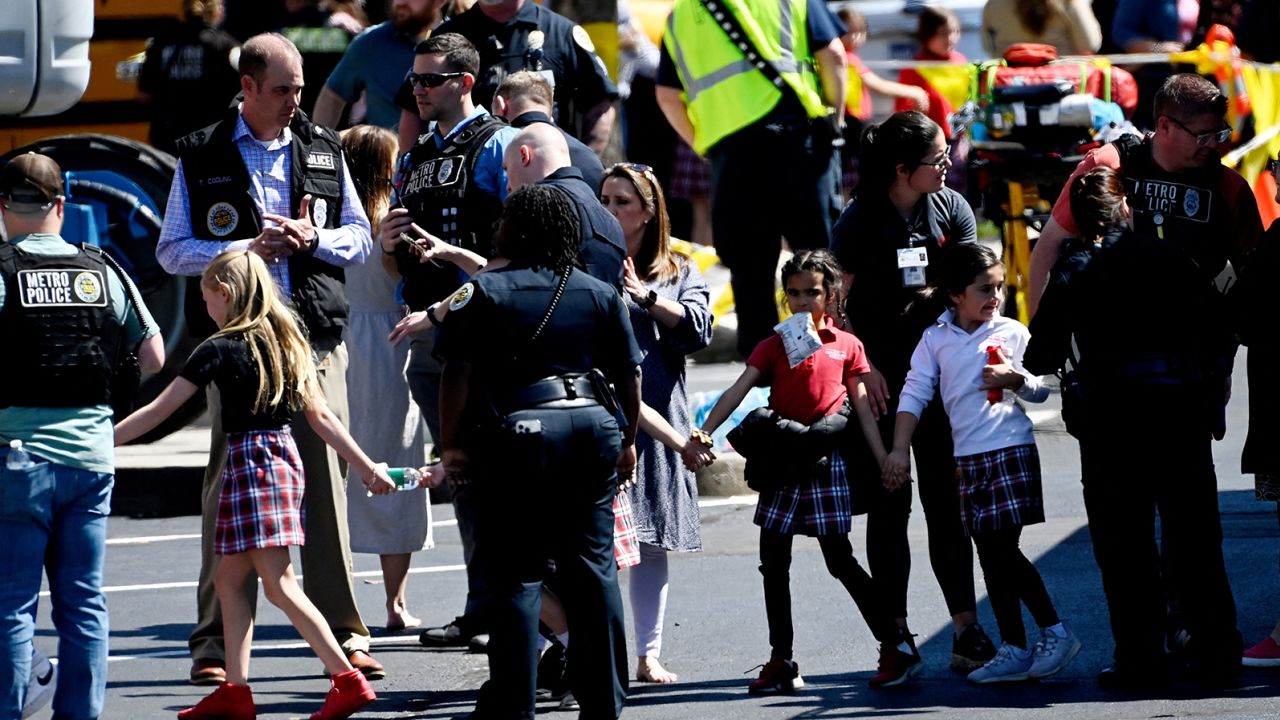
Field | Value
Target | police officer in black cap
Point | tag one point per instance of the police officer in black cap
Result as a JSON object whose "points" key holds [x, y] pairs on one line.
{"points": [[528, 416]]}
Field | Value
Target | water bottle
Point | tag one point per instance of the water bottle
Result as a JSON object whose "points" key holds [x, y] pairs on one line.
{"points": [[994, 395], [406, 478], [19, 458]]}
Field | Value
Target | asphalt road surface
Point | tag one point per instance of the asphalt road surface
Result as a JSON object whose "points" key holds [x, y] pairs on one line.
{"points": [[715, 630]]}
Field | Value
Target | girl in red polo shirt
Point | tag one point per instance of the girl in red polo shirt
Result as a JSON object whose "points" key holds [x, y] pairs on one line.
{"points": [[820, 505]]}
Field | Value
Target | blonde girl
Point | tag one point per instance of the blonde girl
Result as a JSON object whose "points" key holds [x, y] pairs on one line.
{"points": [[264, 370]]}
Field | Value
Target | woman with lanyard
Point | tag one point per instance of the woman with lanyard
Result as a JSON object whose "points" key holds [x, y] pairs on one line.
{"points": [[887, 240]]}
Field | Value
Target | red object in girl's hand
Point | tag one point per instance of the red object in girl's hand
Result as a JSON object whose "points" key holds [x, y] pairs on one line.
{"points": [[994, 395]]}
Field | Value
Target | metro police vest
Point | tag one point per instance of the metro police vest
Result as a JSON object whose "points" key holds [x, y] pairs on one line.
{"points": [[1185, 208], [222, 209], [60, 332], [723, 91], [438, 189]]}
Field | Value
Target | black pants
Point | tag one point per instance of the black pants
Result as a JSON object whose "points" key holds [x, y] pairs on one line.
{"points": [[837, 552], [950, 552], [549, 494], [1012, 578], [767, 185], [1152, 453]]}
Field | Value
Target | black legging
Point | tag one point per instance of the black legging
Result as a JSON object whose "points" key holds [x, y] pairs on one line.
{"points": [[950, 554], [837, 552], [1011, 578]]}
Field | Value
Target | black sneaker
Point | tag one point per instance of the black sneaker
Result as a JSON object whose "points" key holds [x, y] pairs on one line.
{"points": [[456, 634], [553, 674], [971, 649]]}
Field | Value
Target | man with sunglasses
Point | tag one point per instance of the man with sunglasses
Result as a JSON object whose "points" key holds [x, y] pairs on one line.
{"points": [[452, 185], [1151, 451], [1175, 183]]}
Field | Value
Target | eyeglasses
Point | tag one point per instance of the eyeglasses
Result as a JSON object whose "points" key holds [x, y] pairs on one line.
{"points": [[1203, 139], [637, 167], [430, 80], [941, 164]]}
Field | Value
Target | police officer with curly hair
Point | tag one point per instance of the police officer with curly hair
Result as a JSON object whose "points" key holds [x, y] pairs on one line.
{"points": [[528, 415]]}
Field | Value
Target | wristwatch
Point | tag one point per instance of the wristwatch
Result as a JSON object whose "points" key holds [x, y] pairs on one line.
{"points": [[649, 300]]}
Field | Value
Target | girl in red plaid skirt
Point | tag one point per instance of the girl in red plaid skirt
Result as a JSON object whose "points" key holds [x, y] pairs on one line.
{"points": [[820, 505], [264, 371], [973, 355]]}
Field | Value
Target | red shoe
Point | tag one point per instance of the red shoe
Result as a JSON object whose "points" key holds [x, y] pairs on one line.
{"points": [[350, 693], [777, 676], [228, 702], [1264, 654]]}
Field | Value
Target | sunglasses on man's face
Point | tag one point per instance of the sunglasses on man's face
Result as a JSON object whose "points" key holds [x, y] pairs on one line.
{"points": [[430, 80]]}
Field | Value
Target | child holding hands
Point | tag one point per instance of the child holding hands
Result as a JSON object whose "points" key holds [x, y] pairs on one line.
{"points": [[263, 368], [997, 466], [820, 504]]}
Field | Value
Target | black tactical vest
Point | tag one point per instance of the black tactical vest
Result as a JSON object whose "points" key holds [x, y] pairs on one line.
{"points": [[438, 189], [1185, 208], [222, 210], [60, 332]]}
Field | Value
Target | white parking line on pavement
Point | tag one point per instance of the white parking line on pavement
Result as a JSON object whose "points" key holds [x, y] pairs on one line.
{"points": [[410, 640], [190, 584], [147, 539]]}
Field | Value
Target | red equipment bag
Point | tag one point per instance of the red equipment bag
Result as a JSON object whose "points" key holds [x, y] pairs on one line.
{"points": [[1036, 64]]}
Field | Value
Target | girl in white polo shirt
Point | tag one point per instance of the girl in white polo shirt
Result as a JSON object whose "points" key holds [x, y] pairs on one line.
{"points": [[975, 357]]}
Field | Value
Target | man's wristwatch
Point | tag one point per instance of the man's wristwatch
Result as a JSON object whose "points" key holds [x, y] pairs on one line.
{"points": [[315, 242], [649, 300]]}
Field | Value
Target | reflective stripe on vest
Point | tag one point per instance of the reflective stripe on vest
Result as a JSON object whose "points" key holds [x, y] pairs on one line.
{"points": [[724, 92]]}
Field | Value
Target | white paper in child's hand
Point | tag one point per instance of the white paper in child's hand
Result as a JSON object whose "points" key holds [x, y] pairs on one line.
{"points": [[799, 337]]}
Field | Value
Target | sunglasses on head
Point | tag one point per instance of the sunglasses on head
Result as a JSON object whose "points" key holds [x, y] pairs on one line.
{"points": [[637, 167], [430, 80]]}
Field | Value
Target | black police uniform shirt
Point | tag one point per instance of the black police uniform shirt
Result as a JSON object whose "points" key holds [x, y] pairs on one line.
{"points": [[823, 27], [492, 317], [189, 75], [865, 240], [567, 59], [604, 247], [581, 157]]}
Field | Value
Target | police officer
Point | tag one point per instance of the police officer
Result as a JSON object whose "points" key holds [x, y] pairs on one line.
{"points": [[528, 415], [539, 155], [525, 98], [66, 317], [239, 185], [516, 35], [451, 186], [1176, 184], [1148, 383], [755, 108]]}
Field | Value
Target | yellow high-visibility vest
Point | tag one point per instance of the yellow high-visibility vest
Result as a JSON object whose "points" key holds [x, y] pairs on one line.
{"points": [[723, 91]]}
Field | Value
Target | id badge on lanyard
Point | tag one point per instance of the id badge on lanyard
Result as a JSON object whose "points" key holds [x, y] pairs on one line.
{"points": [[912, 262]]}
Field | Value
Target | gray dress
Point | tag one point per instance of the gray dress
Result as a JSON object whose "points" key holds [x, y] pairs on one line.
{"points": [[384, 421], [665, 498]]}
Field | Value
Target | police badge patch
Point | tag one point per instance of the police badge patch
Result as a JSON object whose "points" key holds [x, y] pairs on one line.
{"points": [[446, 169], [1191, 203], [461, 297], [319, 212], [87, 287], [222, 219], [581, 37]]}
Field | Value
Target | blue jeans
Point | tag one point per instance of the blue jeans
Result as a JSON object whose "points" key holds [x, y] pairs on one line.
{"points": [[54, 518]]}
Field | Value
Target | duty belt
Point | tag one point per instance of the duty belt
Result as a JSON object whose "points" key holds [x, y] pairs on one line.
{"points": [[560, 390]]}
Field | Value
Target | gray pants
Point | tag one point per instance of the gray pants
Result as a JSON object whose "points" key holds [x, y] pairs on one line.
{"points": [[326, 556]]}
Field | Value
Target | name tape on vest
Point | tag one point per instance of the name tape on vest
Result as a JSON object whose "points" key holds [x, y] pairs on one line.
{"points": [[1164, 200], [70, 287], [440, 172]]}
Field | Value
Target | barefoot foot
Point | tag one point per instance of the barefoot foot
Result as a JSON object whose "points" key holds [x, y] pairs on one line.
{"points": [[649, 670]]}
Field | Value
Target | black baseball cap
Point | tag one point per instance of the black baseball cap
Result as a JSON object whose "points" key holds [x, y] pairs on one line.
{"points": [[30, 183]]}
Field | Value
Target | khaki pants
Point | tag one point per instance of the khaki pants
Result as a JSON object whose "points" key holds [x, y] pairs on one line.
{"points": [[326, 556]]}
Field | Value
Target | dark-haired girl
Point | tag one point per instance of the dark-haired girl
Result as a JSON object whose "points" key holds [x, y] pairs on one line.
{"points": [[973, 356], [888, 240], [818, 505]]}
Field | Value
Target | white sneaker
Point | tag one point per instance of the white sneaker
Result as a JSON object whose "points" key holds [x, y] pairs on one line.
{"points": [[1006, 666], [44, 678], [1053, 653]]}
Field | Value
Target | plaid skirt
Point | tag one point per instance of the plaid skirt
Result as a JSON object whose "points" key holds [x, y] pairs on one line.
{"points": [[1000, 489], [260, 505], [626, 544], [818, 506]]}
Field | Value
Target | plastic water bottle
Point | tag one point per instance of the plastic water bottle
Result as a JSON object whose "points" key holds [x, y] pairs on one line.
{"points": [[19, 458], [406, 478], [994, 395]]}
